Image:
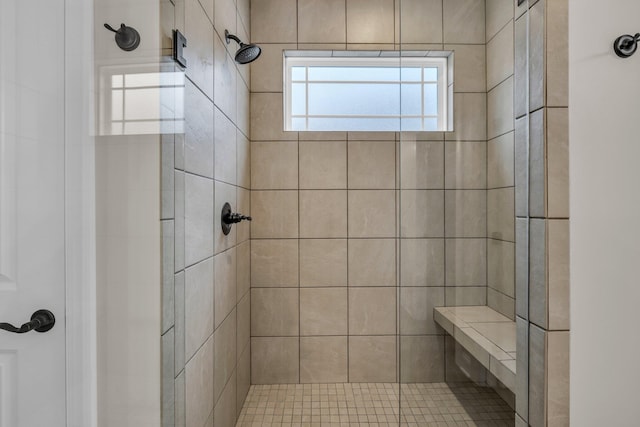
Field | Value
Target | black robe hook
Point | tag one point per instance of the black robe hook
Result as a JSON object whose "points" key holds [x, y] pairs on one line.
{"points": [[127, 38], [626, 45]]}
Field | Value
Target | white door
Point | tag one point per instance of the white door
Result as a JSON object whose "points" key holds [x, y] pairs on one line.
{"points": [[32, 227]]}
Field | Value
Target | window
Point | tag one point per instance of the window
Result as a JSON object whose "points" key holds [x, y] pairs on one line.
{"points": [[336, 92]]}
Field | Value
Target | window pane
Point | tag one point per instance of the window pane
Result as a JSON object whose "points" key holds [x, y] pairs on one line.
{"points": [[355, 74], [298, 99], [411, 100], [298, 73], [431, 125], [298, 124], [430, 74], [411, 124], [411, 74], [430, 99], [354, 124], [354, 99]]}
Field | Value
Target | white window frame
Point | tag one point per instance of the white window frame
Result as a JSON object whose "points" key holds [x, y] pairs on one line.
{"points": [[439, 62]]}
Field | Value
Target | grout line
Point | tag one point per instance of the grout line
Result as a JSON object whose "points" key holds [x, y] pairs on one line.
{"points": [[346, 148]]}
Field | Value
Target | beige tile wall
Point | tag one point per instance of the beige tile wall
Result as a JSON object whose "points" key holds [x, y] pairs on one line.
{"points": [[500, 157], [206, 295], [341, 219], [542, 210]]}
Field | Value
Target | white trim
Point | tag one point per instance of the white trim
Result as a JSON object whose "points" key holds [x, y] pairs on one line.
{"points": [[80, 254], [299, 59]]}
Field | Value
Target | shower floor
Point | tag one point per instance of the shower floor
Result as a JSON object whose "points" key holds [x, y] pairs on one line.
{"points": [[374, 404]]}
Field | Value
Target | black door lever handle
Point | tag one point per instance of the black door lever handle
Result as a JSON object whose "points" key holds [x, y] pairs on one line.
{"points": [[41, 321]]}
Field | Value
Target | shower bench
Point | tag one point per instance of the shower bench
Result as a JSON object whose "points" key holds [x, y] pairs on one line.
{"points": [[487, 335]]}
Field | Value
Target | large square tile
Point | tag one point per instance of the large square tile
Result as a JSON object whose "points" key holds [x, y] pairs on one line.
{"points": [[323, 311], [274, 263], [332, 15], [323, 213], [422, 359], [416, 310], [372, 165], [421, 213], [274, 165], [275, 214], [323, 359], [372, 359], [372, 311], [371, 213], [275, 360], [372, 262], [274, 312], [465, 165], [466, 262], [370, 21], [323, 262], [422, 262], [421, 21], [421, 165], [323, 165], [466, 213], [464, 21], [274, 21]]}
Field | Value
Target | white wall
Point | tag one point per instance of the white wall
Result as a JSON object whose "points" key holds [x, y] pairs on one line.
{"points": [[605, 215]]}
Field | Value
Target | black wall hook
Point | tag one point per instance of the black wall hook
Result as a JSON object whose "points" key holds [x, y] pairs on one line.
{"points": [[127, 38], [626, 45]]}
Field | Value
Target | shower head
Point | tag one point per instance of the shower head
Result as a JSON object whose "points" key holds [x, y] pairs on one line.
{"points": [[247, 52]]}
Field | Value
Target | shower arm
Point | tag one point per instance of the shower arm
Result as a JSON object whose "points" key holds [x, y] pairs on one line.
{"points": [[231, 36]]}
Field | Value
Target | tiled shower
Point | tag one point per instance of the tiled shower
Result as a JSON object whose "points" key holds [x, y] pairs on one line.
{"points": [[328, 295]]}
